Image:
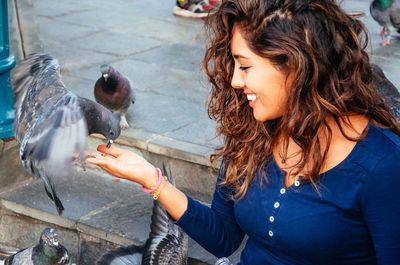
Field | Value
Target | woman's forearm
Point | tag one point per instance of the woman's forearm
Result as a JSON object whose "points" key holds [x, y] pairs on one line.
{"points": [[173, 200]]}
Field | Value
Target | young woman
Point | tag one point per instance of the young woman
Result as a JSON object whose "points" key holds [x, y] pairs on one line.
{"points": [[311, 158]]}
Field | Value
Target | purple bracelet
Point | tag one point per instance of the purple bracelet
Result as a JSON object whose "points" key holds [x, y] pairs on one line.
{"points": [[158, 182]]}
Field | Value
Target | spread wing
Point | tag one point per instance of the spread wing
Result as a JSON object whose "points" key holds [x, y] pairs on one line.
{"points": [[167, 243], [49, 123], [24, 256], [58, 135]]}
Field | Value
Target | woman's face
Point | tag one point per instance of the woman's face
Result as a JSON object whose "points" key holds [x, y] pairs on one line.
{"points": [[261, 81]]}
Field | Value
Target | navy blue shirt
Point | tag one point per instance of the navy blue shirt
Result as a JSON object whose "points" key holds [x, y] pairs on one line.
{"points": [[354, 219]]}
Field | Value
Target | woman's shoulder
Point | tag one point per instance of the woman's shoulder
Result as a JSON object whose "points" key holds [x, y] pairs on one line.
{"points": [[379, 145], [383, 137]]}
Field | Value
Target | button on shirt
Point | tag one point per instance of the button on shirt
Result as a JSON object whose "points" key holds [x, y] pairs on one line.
{"points": [[354, 218]]}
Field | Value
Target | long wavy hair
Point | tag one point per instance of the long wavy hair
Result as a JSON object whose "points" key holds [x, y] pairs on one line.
{"points": [[324, 48]]}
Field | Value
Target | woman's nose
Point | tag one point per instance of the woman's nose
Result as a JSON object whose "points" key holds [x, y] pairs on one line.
{"points": [[237, 79]]}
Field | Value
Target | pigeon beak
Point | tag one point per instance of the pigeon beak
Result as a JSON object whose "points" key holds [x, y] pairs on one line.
{"points": [[105, 76], [109, 142]]}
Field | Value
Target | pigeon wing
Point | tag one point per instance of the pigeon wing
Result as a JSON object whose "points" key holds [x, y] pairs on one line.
{"points": [[59, 135], [167, 243], [36, 86], [49, 124], [24, 256]]}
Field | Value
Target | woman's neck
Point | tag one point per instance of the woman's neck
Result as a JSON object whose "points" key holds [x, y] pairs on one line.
{"points": [[339, 147]]}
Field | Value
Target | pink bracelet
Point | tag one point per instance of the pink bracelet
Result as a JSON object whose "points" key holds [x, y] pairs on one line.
{"points": [[158, 182]]}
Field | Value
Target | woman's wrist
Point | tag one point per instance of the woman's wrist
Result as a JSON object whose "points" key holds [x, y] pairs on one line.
{"points": [[152, 179]]}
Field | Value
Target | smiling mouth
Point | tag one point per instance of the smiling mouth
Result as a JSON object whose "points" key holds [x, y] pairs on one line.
{"points": [[252, 97]]}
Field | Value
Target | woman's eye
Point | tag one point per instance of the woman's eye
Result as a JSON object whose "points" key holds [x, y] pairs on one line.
{"points": [[243, 68]]}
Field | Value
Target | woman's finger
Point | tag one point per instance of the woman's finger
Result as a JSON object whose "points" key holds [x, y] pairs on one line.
{"points": [[112, 150], [99, 159]]}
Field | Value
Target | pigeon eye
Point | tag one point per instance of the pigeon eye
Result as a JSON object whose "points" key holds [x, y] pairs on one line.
{"points": [[47, 237], [111, 133]]}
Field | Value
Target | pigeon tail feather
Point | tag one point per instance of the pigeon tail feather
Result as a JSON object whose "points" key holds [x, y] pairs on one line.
{"points": [[130, 255]]}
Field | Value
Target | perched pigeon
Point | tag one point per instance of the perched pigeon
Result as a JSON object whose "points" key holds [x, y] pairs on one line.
{"points": [[387, 90], [167, 244], [115, 92], [47, 252], [387, 14], [51, 123]]}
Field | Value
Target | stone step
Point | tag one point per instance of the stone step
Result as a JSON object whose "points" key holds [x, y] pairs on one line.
{"points": [[101, 212]]}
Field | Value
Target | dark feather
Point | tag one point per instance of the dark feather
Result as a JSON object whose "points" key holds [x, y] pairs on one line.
{"points": [[130, 255], [167, 244]]}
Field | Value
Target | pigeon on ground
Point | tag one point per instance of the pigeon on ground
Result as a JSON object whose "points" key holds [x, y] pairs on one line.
{"points": [[167, 244], [115, 92], [47, 252], [51, 123], [387, 90], [387, 14]]}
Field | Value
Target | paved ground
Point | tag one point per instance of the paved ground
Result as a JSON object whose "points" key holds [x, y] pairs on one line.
{"points": [[159, 52]]}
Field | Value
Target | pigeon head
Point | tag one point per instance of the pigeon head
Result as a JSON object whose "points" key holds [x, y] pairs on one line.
{"points": [[113, 131], [49, 237], [109, 125], [106, 70], [100, 120]]}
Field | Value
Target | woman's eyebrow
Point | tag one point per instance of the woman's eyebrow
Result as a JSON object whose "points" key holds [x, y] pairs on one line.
{"points": [[239, 56]]}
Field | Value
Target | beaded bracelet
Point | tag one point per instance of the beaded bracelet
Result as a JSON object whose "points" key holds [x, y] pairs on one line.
{"points": [[158, 190], [152, 189]]}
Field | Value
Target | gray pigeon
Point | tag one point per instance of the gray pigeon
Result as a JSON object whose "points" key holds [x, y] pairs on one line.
{"points": [[387, 14], [51, 123], [387, 90], [47, 252], [167, 244], [115, 92]]}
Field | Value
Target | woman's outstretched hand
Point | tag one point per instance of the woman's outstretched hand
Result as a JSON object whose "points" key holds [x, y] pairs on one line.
{"points": [[128, 165], [124, 164]]}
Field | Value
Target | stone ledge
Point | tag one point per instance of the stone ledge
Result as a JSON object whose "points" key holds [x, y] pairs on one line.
{"points": [[166, 146]]}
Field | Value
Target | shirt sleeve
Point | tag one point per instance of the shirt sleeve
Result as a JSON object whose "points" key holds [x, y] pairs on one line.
{"points": [[381, 209], [215, 228]]}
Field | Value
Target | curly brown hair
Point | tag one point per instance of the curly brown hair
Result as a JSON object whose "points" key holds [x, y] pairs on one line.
{"points": [[324, 48]]}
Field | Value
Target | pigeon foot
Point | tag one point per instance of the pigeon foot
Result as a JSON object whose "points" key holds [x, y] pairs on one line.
{"points": [[383, 33], [123, 123], [385, 43]]}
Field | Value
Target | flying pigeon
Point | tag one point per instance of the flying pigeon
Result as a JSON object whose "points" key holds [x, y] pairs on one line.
{"points": [[114, 91], [51, 123], [387, 14], [167, 244], [387, 90], [47, 252]]}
